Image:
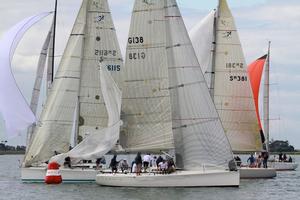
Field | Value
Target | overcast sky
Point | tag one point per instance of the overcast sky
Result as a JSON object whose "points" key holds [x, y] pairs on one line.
{"points": [[257, 21]]}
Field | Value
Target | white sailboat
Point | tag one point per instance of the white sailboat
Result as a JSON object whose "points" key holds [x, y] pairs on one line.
{"points": [[256, 70], [167, 106], [223, 63], [83, 99]]}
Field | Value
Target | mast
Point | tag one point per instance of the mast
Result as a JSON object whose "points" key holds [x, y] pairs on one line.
{"points": [[51, 57], [213, 62], [53, 40], [267, 99]]}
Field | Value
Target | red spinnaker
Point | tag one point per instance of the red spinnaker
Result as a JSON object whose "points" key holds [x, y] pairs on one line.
{"points": [[255, 71]]}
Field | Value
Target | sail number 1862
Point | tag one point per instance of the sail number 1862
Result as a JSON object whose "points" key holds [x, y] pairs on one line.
{"points": [[135, 40]]}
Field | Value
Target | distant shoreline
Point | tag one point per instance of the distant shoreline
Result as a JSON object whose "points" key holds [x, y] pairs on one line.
{"points": [[12, 152], [272, 153]]}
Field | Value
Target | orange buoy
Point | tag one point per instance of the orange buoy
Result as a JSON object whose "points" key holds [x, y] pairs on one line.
{"points": [[53, 175]]}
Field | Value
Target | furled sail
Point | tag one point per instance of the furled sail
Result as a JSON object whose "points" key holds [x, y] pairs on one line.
{"points": [[255, 71], [77, 80], [230, 86], [13, 106], [146, 108], [101, 141], [199, 136]]}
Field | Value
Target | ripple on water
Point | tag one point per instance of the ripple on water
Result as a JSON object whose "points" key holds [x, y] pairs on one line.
{"points": [[285, 186]]}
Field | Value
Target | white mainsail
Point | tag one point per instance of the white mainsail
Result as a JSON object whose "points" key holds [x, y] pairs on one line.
{"points": [[93, 38], [13, 106], [230, 84], [165, 96], [146, 108]]}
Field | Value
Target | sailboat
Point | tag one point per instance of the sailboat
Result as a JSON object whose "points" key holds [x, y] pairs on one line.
{"points": [[166, 104], [83, 102], [256, 70], [221, 58]]}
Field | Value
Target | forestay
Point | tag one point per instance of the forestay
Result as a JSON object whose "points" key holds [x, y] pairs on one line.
{"points": [[13, 106], [199, 136], [93, 38]]}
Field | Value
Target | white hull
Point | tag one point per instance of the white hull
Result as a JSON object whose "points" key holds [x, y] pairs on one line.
{"points": [[208, 178], [283, 166], [255, 173], [37, 174]]}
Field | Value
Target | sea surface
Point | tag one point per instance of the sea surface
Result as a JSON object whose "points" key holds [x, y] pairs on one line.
{"points": [[286, 186]]}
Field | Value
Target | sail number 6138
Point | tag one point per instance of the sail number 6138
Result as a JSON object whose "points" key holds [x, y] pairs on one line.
{"points": [[135, 40]]}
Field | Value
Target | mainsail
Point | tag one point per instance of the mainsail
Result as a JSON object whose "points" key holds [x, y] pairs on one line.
{"points": [[146, 107], [230, 86], [77, 80], [165, 97], [13, 106]]}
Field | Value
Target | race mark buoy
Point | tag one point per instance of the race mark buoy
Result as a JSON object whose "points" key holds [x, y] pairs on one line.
{"points": [[53, 175]]}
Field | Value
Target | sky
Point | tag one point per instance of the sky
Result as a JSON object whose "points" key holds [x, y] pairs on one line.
{"points": [[258, 21]]}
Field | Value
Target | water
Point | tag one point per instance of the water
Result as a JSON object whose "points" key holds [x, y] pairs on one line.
{"points": [[285, 186]]}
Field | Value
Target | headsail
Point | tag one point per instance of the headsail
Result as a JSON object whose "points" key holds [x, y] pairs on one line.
{"points": [[255, 71], [13, 106]]}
